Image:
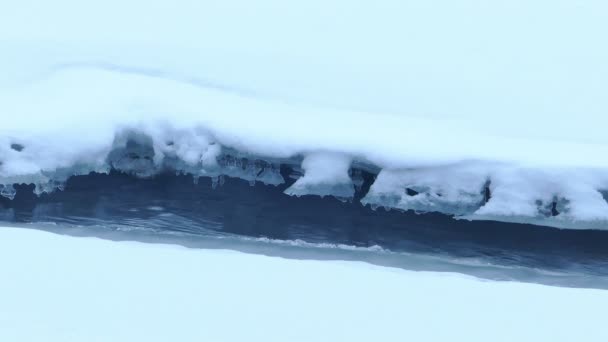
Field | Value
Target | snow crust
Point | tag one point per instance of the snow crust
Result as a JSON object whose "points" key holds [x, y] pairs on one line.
{"points": [[475, 115], [59, 288]]}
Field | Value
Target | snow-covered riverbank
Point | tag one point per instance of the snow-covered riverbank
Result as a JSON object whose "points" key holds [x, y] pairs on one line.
{"points": [[59, 288]]}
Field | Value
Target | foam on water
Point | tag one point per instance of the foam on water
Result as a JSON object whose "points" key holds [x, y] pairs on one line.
{"points": [[472, 190]]}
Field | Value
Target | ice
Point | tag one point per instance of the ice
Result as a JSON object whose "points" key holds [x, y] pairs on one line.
{"points": [[451, 189], [270, 175], [482, 191], [51, 186], [8, 191], [325, 174], [133, 154], [562, 198], [410, 94], [250, 170]]}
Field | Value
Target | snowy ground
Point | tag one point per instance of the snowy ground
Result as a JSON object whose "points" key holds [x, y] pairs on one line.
{"points": [[58, 288]]}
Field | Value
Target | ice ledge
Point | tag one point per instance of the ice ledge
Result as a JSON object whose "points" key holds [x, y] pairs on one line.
{"points": [[474, 190], [325, 174]]}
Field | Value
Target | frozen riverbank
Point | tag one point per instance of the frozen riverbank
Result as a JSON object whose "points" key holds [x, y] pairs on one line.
{"points": [[59, 288]]}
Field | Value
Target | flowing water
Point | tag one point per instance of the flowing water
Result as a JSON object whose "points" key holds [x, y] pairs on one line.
{"points": [[261, 219]]}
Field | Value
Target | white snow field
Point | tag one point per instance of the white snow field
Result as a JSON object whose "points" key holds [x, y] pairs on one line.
{"points": [[60, 288], [453, 99]]}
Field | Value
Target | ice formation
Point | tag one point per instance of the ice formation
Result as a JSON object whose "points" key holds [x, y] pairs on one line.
{"points": [[451, 106], [457, 190], [562, 197], [324, 174]]}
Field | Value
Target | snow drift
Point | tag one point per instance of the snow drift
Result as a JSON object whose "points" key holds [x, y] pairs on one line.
{"points": [[453, 106]]}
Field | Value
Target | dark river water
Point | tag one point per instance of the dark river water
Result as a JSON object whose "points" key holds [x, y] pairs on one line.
{"points": [[261, 219]]}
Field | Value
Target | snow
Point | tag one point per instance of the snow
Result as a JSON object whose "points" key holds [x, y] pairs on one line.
{"points": [[324, 174], [458, 189], [59, 288], [512, 90]]}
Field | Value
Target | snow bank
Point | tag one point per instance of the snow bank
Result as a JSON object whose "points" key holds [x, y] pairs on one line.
{"points": [[58, 288], [87, 119], [485, 111]]}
